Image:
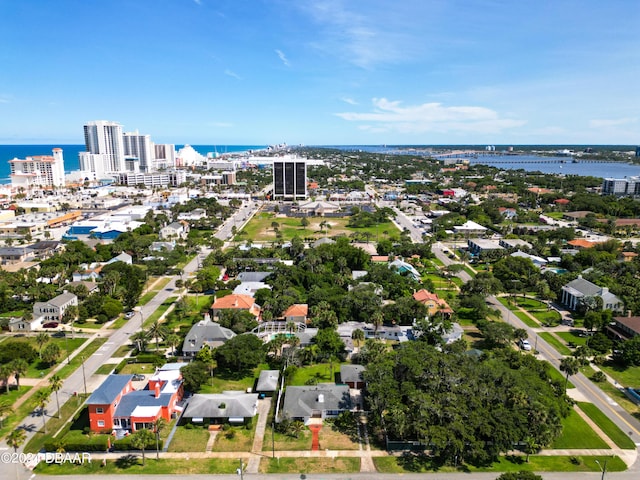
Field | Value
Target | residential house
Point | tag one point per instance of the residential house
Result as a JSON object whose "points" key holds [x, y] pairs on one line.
{"points": [[574, 293], [624, 328], [124, 257], [105, 399], [204, 333], [539, 262], [217, 408], [116, 405], [324, 400], [89, 272], [45, 249], [173, 230], [352, 375], [53, 310], [297, 312], [508, 213], [250, 288], [479, 246], [160, 246], [470, 228], [514, 243], [252, 276], [454, 334], [268, 382], [403, 267], [435, 305], [11, 255], [236, 302]]}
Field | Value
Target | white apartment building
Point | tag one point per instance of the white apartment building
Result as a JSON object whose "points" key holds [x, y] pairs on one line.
{"points": [[38, 171], [105, 148], [165, 155], [139, 148], [621, 186]]}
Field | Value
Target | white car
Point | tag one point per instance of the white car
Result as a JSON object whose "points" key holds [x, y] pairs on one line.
{"points": [[525, 345]]}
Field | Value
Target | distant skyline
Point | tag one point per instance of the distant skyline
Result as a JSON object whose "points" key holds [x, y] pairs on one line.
{"points": [[323, 72]]}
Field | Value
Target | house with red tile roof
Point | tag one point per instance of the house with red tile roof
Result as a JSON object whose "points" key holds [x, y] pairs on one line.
{"points": [[433, 303], [236, 302], [296, 313]]}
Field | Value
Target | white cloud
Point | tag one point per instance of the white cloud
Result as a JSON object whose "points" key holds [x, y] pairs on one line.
{"points": [[283, 57], [197, 2], [605, 123], [390, 116], [361, 36], [348, 100], [232, 74]]}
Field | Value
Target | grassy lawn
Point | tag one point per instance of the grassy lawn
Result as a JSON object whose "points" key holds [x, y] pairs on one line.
{"points": [[571, 337], [530, 303], [76, 361], [242, 439], [106, 368], [132, 465], [259, 228], [159, 311], [557, 375], [552, 340], [422, 464], [576, 433], [526, 319], [628, 377], [20, 413], [320, 371], [119, 323], [53, 425], [620, 398], [607, 426], [549, 317], [122, 351], [310, 465], [189, 440], [38, 369], [131, 368]]}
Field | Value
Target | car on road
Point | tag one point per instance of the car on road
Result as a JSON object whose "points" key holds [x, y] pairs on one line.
{"points": [[525, 345], [129, 314], [50, 325]]}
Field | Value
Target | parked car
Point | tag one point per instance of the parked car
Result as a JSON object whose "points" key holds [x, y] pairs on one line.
{"points": [[138, 377], [129, 314], [50, 325], [525, 345]]}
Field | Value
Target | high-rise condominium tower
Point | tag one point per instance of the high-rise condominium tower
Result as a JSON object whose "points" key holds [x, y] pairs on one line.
{"points": [[105, 146]]}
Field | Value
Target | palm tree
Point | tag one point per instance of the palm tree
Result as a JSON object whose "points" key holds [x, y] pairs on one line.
{"points": [[5, 409], [141, 439], [19, 367], [42, 398], [358, 336], [16, 438], [377, 319], [172, 340], [5, 374], [55, 383], [571, 366], [157, 331], [140, 340], [41, 339], [158, 426]]}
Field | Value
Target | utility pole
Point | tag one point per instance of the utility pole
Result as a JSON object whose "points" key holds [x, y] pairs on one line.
{"points": [[84, 377]]}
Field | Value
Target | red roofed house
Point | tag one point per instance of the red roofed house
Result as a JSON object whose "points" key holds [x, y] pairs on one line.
{"points": [[581, 243], [433, 303], [236, 302], [296, 313]]}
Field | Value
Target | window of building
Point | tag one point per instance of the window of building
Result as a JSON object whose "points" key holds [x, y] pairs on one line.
{"points": [[99, 410], [101, 423]]}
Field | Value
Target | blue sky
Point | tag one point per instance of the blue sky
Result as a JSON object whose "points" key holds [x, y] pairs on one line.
{"points": [[321, 72]]}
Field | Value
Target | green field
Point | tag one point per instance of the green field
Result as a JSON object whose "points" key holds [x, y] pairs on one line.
{"points": [[555, 343], [260, 229], [627, 377], [607, 426], [576, 433]]}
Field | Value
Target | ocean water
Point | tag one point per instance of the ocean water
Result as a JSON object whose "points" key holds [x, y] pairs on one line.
{"points": [[70, 154]]}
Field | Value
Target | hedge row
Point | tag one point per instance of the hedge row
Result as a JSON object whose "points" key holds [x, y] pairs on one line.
{"points": [[125, 444]]}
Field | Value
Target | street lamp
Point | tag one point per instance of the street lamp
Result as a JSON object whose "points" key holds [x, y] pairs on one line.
{"points": [[603, 469], [84, 377], [240, 470]]}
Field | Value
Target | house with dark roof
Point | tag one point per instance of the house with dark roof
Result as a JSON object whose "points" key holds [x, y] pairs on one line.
{"points": [[53, 310], [252, 276], [623, 328], [105, 399], [268, 382], [217, 408], [116, 405], [352, 375], [204, 333], [325, 400], [576, 291]]}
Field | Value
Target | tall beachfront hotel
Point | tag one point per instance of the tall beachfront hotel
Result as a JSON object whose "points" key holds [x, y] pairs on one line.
{"points": [[40, 171], [105, 148], [289, 178]]}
